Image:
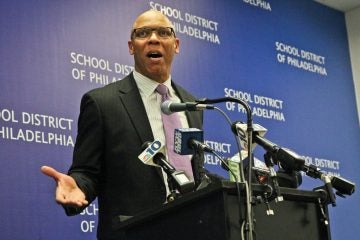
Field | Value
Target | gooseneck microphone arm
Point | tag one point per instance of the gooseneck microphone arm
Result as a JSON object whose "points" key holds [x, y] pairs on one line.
{"points": [[229, 99]]}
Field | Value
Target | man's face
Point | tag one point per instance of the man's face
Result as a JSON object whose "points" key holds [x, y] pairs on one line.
{"points": [[154, 54]]}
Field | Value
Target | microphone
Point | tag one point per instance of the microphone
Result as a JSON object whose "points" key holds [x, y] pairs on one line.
{"points": [[152, 156], [150, 150], [240, 129], [186, 140], [190, 141], [286, 158], [342, 185], [168, 107]]}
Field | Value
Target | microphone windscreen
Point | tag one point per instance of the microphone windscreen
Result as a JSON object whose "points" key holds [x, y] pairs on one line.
{"points": [[342, 185], [165, 107], [182, 137]]}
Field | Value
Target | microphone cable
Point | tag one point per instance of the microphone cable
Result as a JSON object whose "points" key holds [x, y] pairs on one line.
{"points": [[248, 191]]}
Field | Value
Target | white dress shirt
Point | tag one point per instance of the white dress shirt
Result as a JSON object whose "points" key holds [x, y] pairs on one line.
{"points": [[152, 102]]}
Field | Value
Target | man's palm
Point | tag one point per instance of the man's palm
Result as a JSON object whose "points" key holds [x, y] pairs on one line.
{"points": [[67, 191]]}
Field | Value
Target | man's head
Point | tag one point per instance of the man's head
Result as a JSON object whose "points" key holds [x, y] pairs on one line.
{"points": [[153, 44]]}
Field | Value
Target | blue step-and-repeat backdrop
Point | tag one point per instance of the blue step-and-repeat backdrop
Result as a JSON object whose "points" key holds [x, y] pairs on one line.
{"points": [[288, 59]]}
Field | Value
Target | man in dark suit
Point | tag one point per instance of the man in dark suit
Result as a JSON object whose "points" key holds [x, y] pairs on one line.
{"points": [[114, 123]]}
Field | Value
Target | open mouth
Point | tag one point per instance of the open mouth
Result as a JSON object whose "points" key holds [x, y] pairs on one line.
{"points": [[154, 55]]}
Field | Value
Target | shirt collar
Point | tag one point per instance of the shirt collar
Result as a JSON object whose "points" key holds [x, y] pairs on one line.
{"points": [[147, 86]]}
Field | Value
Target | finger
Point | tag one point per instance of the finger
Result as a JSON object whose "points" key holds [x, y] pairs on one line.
{"points": [[82, 203], [51, 172], [71, 201]]}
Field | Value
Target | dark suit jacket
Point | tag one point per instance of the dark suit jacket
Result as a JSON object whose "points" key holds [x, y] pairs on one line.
{"points": [[112, 127]]}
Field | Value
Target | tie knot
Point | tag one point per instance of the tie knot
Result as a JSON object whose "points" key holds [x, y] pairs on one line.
{"points": [[162, 89]]}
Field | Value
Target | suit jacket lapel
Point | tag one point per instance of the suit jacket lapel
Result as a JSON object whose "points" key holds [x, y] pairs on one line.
{"points": [[131, 99], [130, 96]]}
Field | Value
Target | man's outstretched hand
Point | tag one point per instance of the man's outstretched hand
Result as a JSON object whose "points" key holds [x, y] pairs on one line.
{"points": [[67, 191]]}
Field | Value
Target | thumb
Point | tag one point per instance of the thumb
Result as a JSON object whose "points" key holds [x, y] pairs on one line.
{"points": [[51, 172]]}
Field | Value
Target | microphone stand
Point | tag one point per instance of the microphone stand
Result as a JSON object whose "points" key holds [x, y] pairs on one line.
{"points": [[248, 184]]}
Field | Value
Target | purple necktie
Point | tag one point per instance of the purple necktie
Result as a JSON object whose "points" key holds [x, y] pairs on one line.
{"points": [[171, 122]]}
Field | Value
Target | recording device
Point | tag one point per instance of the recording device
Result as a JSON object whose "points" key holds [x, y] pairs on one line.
{"points": [[286, 158], [168, 107], [187, 140], [240, 129], [152, 156], [291, 162], [150, 150], [343, 186], [190, 141]]}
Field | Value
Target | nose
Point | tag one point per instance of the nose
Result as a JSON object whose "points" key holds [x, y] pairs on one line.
{"points": [[153, 37]]}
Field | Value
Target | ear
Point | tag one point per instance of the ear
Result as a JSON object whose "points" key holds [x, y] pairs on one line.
{"points": [[131, 47], [177, 45]]}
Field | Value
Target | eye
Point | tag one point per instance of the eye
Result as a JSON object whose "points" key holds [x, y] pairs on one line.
{"points": [[145, 32], [164, 32], [142, 32]]}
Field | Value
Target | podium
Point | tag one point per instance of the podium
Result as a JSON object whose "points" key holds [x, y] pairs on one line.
{"points": [[213, 213]]}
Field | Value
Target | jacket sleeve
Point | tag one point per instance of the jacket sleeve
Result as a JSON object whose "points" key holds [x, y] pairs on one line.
{"points": [[88, 151]]}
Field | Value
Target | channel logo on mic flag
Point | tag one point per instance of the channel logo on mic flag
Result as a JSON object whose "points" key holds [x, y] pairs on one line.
{"points": [[147, 155], [242, 132], [182, 136]]}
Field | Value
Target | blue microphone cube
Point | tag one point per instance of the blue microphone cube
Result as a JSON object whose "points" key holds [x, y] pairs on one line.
{"points": [[182, 136]]}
